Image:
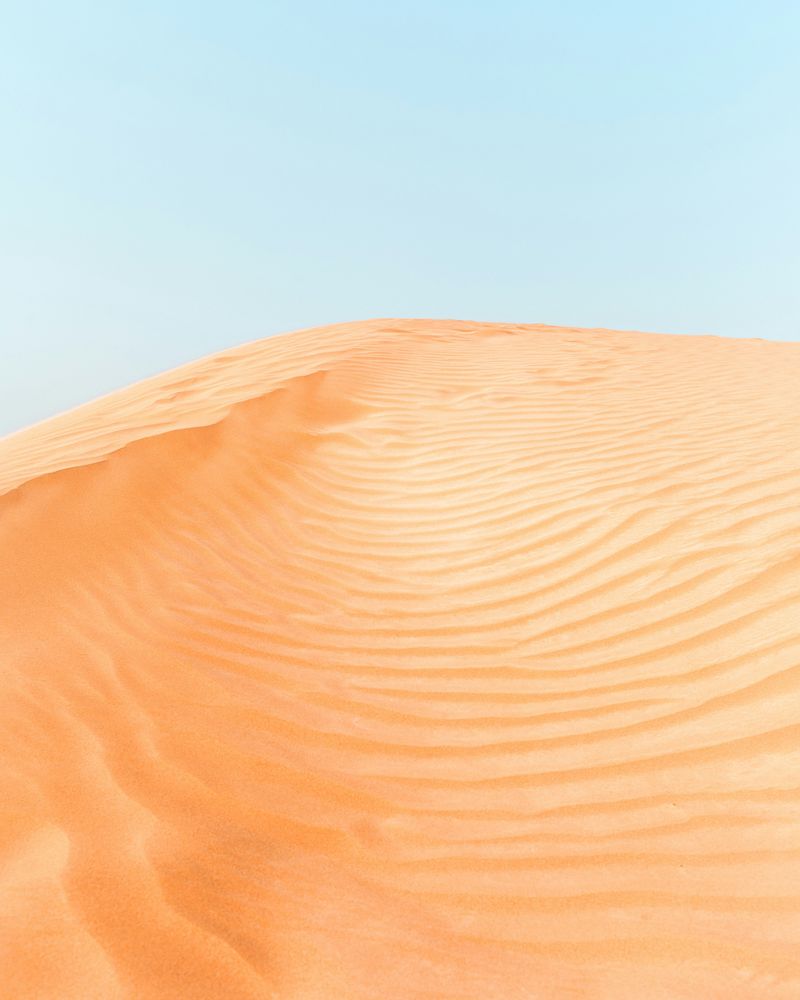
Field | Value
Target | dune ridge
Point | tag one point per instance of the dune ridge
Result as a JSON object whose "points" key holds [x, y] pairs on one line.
{"points": [[408, 659]]}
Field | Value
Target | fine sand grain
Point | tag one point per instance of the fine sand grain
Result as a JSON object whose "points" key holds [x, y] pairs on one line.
{"points": [[408, 660]]}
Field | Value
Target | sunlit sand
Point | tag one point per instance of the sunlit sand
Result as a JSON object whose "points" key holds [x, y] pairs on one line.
{"points": [[408, 660]]}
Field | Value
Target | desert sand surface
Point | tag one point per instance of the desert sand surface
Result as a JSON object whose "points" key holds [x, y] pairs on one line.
{"points": [[408, 660]]}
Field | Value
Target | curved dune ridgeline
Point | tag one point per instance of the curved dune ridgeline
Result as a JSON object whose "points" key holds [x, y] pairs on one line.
{"points": [[408, 660]]}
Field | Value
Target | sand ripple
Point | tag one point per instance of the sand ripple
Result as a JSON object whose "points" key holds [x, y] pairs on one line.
{"points": [[408, 660]]}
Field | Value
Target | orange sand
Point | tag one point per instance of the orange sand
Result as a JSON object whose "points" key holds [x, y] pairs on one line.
{"points": [[404, 660]]}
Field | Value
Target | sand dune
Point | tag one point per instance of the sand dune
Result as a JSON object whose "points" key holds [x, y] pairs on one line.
{"points": [[405, 659]]}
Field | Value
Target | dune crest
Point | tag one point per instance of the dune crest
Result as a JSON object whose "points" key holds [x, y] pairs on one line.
{"points": [[408, 659]]}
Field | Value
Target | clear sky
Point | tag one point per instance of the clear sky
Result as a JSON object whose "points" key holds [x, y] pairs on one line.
{"points": [[177, 177]]}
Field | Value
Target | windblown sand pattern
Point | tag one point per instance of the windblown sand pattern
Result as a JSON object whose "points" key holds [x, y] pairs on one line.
{"points": [[413, 660]]}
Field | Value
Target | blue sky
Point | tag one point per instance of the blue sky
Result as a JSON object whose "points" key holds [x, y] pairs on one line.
{"points": [[180, 177]]}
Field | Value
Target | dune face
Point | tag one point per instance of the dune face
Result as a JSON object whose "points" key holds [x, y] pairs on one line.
{"points": [[408, 660]]}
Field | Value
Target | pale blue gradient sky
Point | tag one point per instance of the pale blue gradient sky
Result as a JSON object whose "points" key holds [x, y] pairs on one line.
{"points": [[179, 177]]}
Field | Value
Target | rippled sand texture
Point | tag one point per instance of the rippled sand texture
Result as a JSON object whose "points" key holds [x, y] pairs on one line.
{"points": [[408, 660]]}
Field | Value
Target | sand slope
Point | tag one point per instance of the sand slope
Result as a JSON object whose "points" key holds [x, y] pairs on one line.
{"points": [[408, 660]]}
